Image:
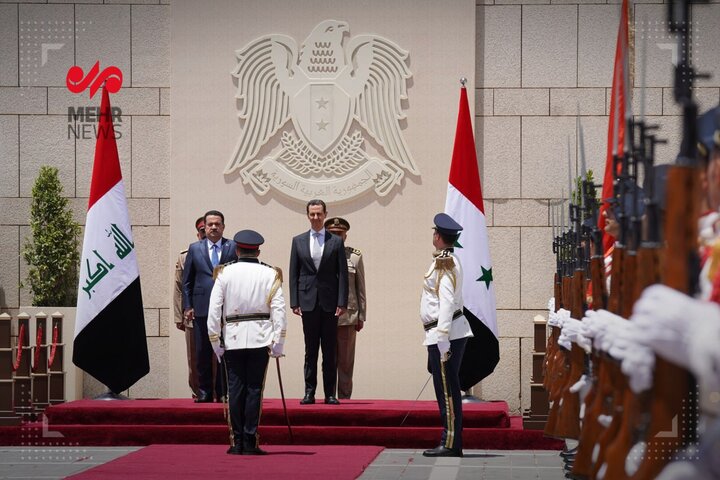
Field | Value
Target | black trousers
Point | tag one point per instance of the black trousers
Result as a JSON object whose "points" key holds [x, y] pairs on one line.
{"points": [[204, 359], [446, 380], [246, 370], [320, 331]]}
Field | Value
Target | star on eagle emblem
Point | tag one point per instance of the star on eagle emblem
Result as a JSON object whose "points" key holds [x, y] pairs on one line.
{"points": [[319, 108]]}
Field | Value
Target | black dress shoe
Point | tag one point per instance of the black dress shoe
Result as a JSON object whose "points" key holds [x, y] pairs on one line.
{"points": [[253, 451], [204, 398], [332, 400], [236, 450], [442, 452], [307, 400]]}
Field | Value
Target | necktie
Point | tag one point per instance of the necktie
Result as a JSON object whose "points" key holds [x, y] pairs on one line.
{"points": [[316, 250], [214, 257]]}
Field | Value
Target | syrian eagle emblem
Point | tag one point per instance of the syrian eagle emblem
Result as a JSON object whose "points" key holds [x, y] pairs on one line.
{"points": [[322, 120]]}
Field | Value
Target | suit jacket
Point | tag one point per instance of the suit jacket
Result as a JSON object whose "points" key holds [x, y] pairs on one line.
{"points": [[198, 274], [326, 286]]}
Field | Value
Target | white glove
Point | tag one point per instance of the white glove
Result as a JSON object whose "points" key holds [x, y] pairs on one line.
{"points": [[598, 323], [703, 338], [564, 341], [276, 350], [219, 350], [556, 319], [444, 347], [665, 317], [638, 366], [576, 332]]}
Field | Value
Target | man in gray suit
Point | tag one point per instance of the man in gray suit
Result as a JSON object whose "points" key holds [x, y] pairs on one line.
{"points": [[318, 281], [202, 258]]}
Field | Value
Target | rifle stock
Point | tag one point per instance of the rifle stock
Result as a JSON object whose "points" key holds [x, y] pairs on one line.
{"points": [[569, 423], [597, 279], [672, 410], [635, 418]]}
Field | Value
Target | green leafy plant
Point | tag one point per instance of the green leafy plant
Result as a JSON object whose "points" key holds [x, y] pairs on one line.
{"points": [[52, 253]]}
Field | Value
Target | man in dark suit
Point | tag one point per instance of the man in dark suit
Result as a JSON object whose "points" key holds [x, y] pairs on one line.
{"points": [[202, 258], [318, 282]]}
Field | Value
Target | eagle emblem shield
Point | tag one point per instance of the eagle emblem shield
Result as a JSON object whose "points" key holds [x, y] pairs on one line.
{"points": [[317, 107]]}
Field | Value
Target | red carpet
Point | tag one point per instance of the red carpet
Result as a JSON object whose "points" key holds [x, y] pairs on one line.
{"points": [[355, 422], [200, 461]]}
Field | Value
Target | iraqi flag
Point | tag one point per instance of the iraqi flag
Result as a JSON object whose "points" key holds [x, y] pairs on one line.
{"points": [[464, 203], [110, 341]]}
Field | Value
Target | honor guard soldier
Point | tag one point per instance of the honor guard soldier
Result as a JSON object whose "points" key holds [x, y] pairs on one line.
{"points": [[446, 333], [353, 320], [246, 326]]}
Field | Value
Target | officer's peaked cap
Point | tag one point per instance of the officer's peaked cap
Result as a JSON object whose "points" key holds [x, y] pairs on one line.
{"points": [[445, 224], [248, 239], [337, 223]]}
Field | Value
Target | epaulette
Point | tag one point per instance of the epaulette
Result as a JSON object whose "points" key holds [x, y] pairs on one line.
{"points": [[444, 261], [278, 270], [277, 283], [218, 270]]}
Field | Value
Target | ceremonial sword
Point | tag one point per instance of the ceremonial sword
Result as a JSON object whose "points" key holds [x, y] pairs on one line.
{"points": [[282, 396]]}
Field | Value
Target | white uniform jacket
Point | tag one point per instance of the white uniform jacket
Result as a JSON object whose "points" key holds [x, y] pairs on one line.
{"points": [[247, 288], [441, 299]]}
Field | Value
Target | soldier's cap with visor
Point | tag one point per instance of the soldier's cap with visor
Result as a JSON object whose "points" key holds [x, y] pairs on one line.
{"points": [[337, 223], [248, 239], [708, 131], [446, 225]]}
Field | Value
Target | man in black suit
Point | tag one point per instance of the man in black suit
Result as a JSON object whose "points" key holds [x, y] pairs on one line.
{"points": [[202, 258], [318, 282]]}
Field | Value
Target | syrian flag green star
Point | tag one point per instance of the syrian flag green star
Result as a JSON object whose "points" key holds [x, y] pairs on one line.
{"points": [[464, 203]]}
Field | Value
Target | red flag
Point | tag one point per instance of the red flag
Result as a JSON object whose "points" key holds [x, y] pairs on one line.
{"points": [[617, 115]]}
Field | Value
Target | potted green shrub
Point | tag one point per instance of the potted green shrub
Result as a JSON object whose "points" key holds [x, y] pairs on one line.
{"points": [[52, 252]]}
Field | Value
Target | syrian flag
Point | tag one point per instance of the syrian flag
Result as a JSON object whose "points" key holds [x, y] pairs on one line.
{"points": [[110, 339], [464, 203]]}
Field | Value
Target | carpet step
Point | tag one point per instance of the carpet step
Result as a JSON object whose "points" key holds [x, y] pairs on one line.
{"points": [[389, 437], [351, 413]]}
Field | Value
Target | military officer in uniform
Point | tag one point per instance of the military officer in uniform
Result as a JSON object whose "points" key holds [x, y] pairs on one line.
{"points": [[181, 322], [446, 333], [353, 320], [246, 326]]}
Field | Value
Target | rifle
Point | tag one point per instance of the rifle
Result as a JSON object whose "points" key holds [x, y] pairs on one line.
{"points": [[673, 404], [559, 365], [600, 400], [588, 432], [569, 426], [636, 418]]}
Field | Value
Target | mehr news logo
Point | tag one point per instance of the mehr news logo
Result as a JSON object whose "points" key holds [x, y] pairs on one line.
{"points": [[83, 121]]}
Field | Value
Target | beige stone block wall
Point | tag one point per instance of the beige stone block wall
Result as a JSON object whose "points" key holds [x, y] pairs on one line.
{"points": [[9, 41], [549, 46], [9, 152], [30, 100]]}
